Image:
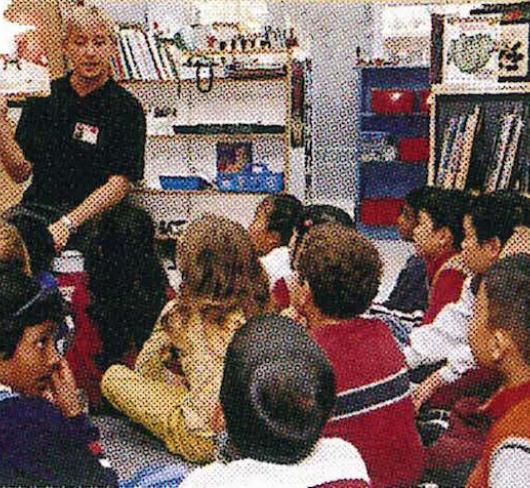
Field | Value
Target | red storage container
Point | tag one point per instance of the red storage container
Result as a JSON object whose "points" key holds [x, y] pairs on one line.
{"points": [[413, 149], [393, 101], [380, 212], [423, 96]]}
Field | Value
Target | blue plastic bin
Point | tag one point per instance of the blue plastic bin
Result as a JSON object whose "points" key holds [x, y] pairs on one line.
{"points": [[253, 179], [182, 183]]}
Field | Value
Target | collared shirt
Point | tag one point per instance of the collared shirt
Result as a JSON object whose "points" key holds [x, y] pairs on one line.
{"points": [[76, 143]]}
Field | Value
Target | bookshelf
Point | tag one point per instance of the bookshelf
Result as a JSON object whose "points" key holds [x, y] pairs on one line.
{"points": [[481, 140], [391, 163], [198, 103]]}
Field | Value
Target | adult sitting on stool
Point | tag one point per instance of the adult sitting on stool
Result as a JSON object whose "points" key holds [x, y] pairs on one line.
{"points": [[84, 144]]}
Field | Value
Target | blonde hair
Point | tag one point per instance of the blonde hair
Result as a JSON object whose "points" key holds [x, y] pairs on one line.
{"points": [[12, 247], [82, 16], [221, 272]]}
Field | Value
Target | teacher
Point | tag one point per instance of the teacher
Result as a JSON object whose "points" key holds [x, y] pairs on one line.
{"points": [[84, 144]]}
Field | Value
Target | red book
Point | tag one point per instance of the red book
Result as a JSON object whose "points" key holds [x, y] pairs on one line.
{"points": [[413, 149], [393, 101], [381, 212]]}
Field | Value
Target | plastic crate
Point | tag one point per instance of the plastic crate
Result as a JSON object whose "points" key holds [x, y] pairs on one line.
{"points": [[182, 183], [254, 179]]}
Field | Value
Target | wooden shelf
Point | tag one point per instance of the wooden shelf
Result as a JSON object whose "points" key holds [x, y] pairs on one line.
{"points": [[193, 81], [230, 137], [159, 191], [490, 88]]}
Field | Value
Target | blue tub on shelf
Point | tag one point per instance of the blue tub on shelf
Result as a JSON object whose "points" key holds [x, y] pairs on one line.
{"points": [[254, 178], [182, 183]]}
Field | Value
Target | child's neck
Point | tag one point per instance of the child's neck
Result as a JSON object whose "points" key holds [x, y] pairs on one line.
{"points": [[318, 320], [517, 373]]}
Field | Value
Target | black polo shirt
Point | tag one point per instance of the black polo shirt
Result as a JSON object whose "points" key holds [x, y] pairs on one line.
{"points": [[75, 143]]}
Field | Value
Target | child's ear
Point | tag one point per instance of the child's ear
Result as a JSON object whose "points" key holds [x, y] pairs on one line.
{"points": [[445, 237], [494, 247], [500, 342]]}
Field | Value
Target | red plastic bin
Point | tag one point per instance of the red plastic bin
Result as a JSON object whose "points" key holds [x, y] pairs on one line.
{"points": [[413, 149], [423, 96], [382, 212], [393, 101]]}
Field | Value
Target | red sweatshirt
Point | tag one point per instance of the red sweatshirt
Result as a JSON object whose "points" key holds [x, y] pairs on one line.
{"points": [[374, 410], [446, 275]]}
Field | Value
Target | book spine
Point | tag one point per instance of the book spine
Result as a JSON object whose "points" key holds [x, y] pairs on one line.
{"points": [[511, 153], [500, 152], [153, 52], [456, 154], [469, 138], [135, 73], [449, 136], [140, 54], [165, 61]]}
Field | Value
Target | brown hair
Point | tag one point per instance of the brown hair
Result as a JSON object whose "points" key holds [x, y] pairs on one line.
{"points": [[12, 247], [220, 270], [506, 284], [343, 269]]}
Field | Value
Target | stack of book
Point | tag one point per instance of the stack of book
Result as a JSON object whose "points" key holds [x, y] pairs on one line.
{"points": [[143, 57], [502, 170], [456, 151]]}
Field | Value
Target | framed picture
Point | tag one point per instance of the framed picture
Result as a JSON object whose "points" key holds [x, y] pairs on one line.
{"points": [[232, 157], [470, 49], [514, 51]]}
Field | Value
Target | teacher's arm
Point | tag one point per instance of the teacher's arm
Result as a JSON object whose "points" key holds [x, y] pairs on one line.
{"points": [[11, 155], [103, 198]]}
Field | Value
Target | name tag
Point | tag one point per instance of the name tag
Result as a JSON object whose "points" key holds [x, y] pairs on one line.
{"points": [[86, 133]]}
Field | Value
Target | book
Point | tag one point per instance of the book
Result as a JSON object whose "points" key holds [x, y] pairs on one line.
{"points": [[127, 50], [153, 52], [510, 162], [449, 135], [470, 132], [501, 146], [456, 154]]}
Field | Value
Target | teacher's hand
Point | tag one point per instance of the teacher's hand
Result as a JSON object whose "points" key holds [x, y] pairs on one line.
{"points": [[3, 107], [60, 235]]}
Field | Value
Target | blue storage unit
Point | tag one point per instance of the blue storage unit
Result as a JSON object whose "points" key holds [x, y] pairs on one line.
{"points": [[390, 179]]}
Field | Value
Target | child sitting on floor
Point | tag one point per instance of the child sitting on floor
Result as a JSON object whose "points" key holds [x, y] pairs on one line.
{"points": [[12, 247], [272, 229], [337, 274], [488, 224], [223, 284], [45, 439], [277, 394], [500, 338], [438, 238], [311, 215]]}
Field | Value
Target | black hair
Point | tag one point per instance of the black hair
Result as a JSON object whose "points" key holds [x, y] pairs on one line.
{"points": [[284, 215], [495, 215], [319, 214], [23, 305], [507, 283], [127, 282], [414, 198], [447, 208]]}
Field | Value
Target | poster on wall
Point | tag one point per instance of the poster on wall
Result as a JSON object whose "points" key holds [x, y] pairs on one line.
{"points": [[514, 51], [470, 50]]}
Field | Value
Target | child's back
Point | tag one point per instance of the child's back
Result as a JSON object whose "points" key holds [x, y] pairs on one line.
{"points": [[374, 410]]}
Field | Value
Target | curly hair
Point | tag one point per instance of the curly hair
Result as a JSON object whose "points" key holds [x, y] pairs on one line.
{"points": [[343, 269], [220, 270]]}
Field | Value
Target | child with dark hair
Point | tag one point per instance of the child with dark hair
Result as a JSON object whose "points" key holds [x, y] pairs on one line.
{"points": [[438, 238], [223, 285], [45, 439], [338, 273], [117, 298], [272, 229], [277, 394], [311, 216], [488, 224], [410, 291], [500, 339]]}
